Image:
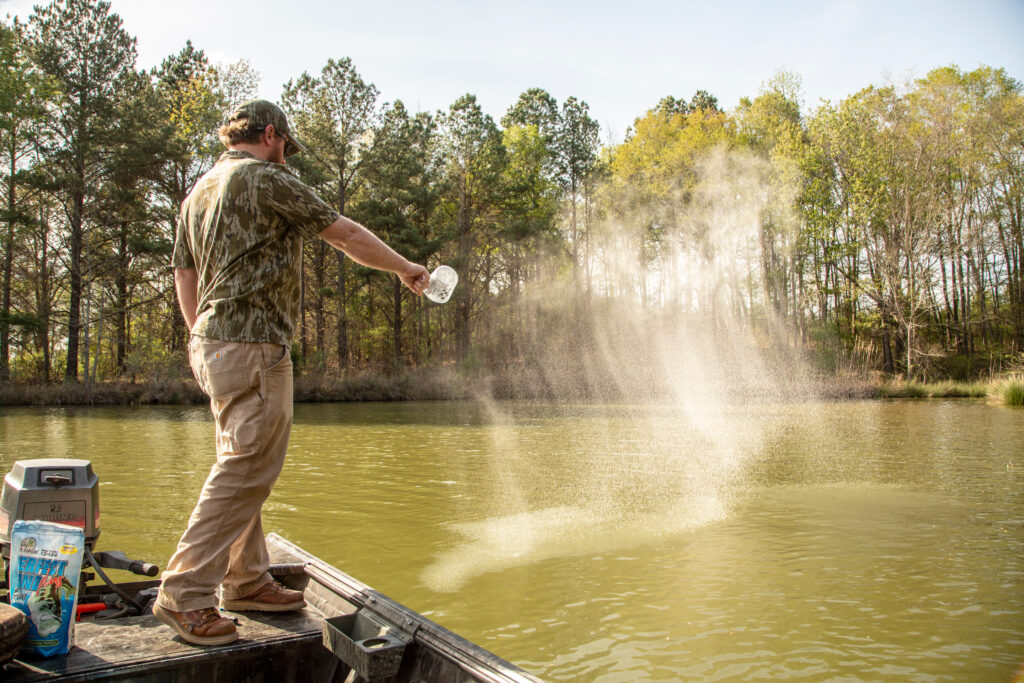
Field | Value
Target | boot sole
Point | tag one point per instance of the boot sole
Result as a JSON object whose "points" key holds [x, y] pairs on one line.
{"points": [[255, 606], [169, 619]]}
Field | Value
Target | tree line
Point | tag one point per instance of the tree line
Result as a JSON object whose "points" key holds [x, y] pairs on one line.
{"points": [[880, 232]]}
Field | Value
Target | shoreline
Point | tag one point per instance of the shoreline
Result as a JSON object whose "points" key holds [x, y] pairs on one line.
{"points": [[449, 385]]}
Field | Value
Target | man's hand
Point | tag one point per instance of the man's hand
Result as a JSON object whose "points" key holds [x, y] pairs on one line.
{"points": [[415, 277]]}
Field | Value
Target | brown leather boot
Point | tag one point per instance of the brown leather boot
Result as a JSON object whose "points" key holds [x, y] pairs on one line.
{"points": [[270, 597], [201, 627]]}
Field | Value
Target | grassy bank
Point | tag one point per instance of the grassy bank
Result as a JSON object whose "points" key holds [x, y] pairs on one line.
{"points": [[943, 389], [447, 384], [433, 385], [166, 392], [413, 386], [1009, 391]]}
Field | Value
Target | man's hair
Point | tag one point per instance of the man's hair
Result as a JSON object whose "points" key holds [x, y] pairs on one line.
{"points": [[239, 131]]}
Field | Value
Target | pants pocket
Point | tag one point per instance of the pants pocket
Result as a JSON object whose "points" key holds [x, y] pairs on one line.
{"points": [[276, 360], [273, 355], [219, 367]]}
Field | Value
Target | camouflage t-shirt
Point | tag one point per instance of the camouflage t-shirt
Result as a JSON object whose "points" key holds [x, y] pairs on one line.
{"points": [[241, 228]]}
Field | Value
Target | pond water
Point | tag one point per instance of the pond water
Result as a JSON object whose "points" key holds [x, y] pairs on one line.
{"points": [[862, 541]]}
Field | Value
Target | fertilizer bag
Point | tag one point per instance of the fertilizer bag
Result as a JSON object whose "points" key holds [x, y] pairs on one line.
{"points": [[45, 569]]}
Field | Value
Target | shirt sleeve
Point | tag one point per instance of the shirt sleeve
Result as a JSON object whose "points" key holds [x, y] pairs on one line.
{"points": [[298, 204], [182, 257]]}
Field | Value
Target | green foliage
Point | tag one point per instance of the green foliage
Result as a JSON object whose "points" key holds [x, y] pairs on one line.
{"points": [[334, 115], [28, 321], [531, 195], [187, 85], [887, 224], [25, 94], [960, 390], [943, 389], [702, 100], [669, 106], [575, 144], [1013, 394], [82, 47], [400, 190], [662, 153], [535, 107]]}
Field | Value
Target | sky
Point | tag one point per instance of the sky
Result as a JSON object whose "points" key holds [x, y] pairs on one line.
{"points": [[619, 57]]}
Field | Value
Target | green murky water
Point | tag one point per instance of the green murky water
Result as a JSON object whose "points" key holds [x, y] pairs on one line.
{"points": [[856, 541]]}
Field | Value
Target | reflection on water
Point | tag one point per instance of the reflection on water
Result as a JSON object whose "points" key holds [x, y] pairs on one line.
{"points": [[862, 541]]}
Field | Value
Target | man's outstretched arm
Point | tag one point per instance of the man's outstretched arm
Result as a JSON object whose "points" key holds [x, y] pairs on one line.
{"points": [[365, 248]]}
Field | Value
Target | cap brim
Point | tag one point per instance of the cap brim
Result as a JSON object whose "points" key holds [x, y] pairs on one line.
{"points": [[293, 146]]}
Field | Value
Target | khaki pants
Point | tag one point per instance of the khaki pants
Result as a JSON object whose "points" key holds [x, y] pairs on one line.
{"points": [[250, 389]]}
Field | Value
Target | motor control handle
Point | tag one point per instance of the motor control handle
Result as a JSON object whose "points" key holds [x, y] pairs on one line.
{"points": [[143, 568], [115, 559]]}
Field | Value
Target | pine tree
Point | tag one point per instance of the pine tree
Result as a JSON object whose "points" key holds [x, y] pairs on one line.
{"points": [[334, 115], [23, 96], [83, 47]]}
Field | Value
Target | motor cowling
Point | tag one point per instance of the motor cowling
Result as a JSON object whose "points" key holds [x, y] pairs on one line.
{"points": [[62, 490]]}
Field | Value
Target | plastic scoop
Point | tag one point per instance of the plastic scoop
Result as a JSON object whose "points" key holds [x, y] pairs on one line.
{"points": [[442, 284]]}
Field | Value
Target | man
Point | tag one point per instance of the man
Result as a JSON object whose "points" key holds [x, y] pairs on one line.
{"points": [[237, 258]]}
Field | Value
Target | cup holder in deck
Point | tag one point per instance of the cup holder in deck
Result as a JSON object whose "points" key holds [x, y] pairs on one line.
{"points": [[375, 643], [370, 647]]}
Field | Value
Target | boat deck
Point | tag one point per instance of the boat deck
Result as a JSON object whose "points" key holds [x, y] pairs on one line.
{"points": [[272, 647], [142, 647]]}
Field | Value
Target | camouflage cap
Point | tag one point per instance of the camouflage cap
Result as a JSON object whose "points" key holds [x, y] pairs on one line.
{"points": [[264, 113]]}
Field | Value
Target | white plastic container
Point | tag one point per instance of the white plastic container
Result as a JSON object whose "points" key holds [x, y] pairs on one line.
{"points": [[442, 284]]}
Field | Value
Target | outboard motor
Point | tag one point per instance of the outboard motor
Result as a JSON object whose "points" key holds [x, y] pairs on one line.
{"points": [[58, 490], [65, 491]]}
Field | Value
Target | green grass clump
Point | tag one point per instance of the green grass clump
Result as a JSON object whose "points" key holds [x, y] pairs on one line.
{"points": [[1013, 394], [943, 389], [915, 390], [959, 390], [903, 390]]}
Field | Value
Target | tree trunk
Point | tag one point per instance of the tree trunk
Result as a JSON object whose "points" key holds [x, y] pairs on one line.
{"points": [[43, 297], [319, 315], [99, 342], [462, 301], [462, 294], [888, 365], [303, 344], [396, 321], [5, 306], [179, 328], [575, 239], [1017, 232], [343, 354], [121, 305], [86, 332], [342, 315], [75, 294], [962, 297]]}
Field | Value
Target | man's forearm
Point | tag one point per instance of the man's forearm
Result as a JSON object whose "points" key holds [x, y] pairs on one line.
{"points": [[365, 248], [186, 285], [362, 246]]}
